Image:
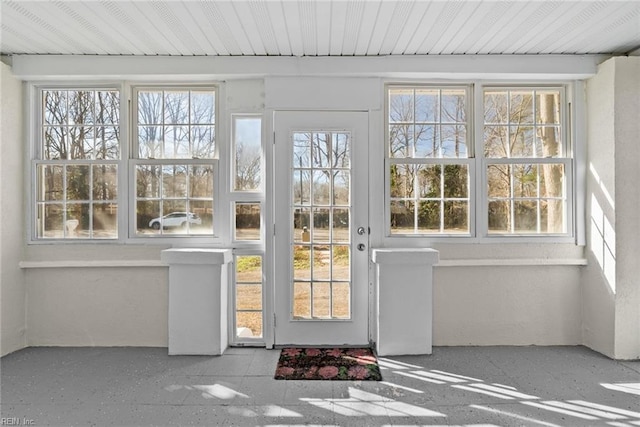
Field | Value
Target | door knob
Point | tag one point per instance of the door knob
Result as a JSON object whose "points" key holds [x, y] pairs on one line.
{"points": [[361, 246], [360, 231]]}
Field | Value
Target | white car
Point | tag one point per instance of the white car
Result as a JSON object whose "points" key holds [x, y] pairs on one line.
{"points": [[175, 219]]}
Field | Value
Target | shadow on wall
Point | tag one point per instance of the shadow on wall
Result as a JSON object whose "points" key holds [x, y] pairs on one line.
{"points": [[602, 235]]}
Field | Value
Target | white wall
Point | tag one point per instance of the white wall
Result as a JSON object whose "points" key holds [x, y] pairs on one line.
{"points": [[598, 278], [611, 289], [499, 303], [97, 306], [12, 293]]}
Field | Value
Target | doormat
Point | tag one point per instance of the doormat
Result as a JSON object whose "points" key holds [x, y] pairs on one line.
{"points": [[355, 364]]}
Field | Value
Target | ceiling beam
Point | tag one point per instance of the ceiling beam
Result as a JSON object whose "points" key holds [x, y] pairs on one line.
{"points": [[62, 67]]}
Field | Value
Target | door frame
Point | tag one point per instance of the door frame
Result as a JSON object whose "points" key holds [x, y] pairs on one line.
{"points": [[275, 241]]}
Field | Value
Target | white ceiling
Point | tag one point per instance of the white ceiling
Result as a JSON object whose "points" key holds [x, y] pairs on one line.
{"points": [[319, 27]]}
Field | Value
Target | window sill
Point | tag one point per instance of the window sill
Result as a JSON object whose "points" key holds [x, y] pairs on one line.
{"points": [[28, 265], [515, 262]]}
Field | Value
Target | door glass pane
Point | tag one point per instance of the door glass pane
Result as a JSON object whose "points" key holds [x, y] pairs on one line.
{"points": [[249, 294], [321, 189]]}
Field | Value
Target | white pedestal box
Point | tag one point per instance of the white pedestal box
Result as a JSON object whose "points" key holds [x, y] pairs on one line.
{"points": [[198, 288], [404, 288]]}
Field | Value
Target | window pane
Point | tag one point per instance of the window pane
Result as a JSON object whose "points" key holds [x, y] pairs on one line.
{"points": [[321, 300], [302, 262], [429, 179], [249, 324], [341, 155], [150, 142], [321, 148], [105, 182], [402, 217], [247, 139], [201, 217], [177, 124], [321, 187], [499, 216], [78, 182], [81, 107], [50, 182], [148, 216], [456, 181], [453, 141], [107, 140], [55, 107], [55, 143], [552, 180], [341, 300], [499, 180], [495, 106], [247, 221], [341, 187], [248, 297], [456, 217], [302, 225], [301, 187], [77, 223], [249, 269], [551, 216], [105, 220], [301, 150], [203, 142], [150, 107], [548, 106], [203, 107], [453, 106], [526, 198], [525, 216], [400, 140], [427, 141], [531, 119], [176, 107], [50, 220], [321, 225], [429, 215], [302, 300], [107, 107], [521, 107], [176, 142], [340, 225], [201, 182], [148, 181], [174, 181], [427, 105], [402, 180], [81, 141], [401, 105]]}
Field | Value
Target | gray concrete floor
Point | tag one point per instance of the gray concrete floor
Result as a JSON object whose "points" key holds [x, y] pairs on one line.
{"points": [[470, 386]]}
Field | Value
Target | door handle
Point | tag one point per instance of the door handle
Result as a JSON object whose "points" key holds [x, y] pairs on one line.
{"points": [[360, 231], [361, 246]]}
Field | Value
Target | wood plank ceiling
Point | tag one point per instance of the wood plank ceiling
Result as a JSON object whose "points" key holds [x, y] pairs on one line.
{"points": [[319, 27]]}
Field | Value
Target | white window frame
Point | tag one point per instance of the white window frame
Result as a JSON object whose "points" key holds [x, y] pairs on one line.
{"points": [[135, 160], [34, 112], [468, 161], [127, 161], [567, 159], [572, 117]]}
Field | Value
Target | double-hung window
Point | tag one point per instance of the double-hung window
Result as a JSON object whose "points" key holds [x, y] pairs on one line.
{"points": [[495, 166], [526, 161], [428, 160], [174, 162], [76, 164]]}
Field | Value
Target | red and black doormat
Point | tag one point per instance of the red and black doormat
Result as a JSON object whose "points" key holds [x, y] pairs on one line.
{"points": [[355, 364]]}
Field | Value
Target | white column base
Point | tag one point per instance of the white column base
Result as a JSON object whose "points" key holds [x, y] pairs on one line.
{"points": [[404, 289]]}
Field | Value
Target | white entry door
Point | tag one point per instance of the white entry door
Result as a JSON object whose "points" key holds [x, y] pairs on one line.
{"points": [[321, 228]]}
